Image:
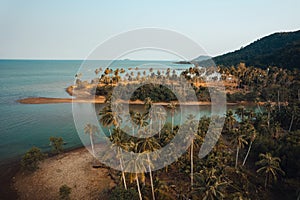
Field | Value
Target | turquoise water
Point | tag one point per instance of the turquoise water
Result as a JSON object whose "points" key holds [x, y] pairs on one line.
{"points": [[22, 125]]}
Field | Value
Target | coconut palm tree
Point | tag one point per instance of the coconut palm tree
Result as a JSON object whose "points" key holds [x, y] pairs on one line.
{"points": [[172, 107], [148, 145], [252, 133], [91, 130], [211, 185], [240, 111], [239, 141], [120, 142], [230, 120], [269, 108], [270, 166], [140, 119], [135, 164], [191, 124], [109, 117]]}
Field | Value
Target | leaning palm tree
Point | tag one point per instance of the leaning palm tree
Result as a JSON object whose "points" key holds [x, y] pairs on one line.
{"points": [[172, 107], [252, 133], [270, 166], [91, 130], [239, 141]]}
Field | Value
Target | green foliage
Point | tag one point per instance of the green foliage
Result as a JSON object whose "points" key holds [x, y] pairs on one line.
{"points": [[56, 144], [64, 192], [119, 193], [278, 49], [31, 159]]}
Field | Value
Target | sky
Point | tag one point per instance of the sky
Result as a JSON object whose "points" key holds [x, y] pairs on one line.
{"points": [[71, 29]]}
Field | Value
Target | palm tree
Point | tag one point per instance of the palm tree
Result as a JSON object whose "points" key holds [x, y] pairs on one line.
{"points": [[148, 145], [109, 118], [172, 107], [241, 112], [91, 130], [252, 133], [239, 141], [270, 166], [140, 119], [230, 120], [135, 164], [159, 115], [191, 124], [269, 108], [119, 141], [211, 185]]}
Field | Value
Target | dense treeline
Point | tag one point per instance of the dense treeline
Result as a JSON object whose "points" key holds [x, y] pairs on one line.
{"points": [[278, 49], [256, 156]]}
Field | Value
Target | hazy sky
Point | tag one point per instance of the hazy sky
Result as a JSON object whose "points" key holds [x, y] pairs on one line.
{"points": [[70, 29]]}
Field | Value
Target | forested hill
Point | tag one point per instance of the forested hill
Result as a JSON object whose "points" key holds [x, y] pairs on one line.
{"points": [[278, 49]]}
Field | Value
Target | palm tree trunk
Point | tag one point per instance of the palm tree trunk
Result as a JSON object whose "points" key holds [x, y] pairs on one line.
{"points": [[151, 179], [121, 165], [159, 127], [192, 165], [247, 153], [92, 144], [172, 122], [237, 156], [110, 134], [266, 180], [291, 124], [269, 120], [138, 186]]}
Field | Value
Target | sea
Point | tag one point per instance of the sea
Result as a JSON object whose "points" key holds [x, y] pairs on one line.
{"points": [[23, 126]]}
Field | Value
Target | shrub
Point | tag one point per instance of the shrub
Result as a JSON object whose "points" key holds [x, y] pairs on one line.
{"points": [[119, 193], [31, 159], [64, 192], [57, 144]]}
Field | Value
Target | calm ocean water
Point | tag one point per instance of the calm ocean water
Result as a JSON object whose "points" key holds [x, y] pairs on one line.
{"points": [[22, 125]]}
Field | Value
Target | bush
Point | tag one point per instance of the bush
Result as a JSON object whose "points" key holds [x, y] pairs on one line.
{"points": [[57, 144], [31, 159], [64, 192], [119, 193]]}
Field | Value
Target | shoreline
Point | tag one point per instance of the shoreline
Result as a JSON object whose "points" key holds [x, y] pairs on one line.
{"points": [[11, 167], [101, 100], [71, 168]]}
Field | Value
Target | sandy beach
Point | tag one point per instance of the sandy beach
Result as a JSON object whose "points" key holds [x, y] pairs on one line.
{"points": [[72, 168], [101, 100]]}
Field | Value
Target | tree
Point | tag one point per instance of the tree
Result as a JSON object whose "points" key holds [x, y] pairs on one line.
{"points": [[148, 145], [239, 141], [252, 134], [172, 107], [135, 164], [210, 185], [241, 112], [230, 120], [64, 192], [31, 159], [91, 130], [270, 167], [108, 117], [56, 144]]}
